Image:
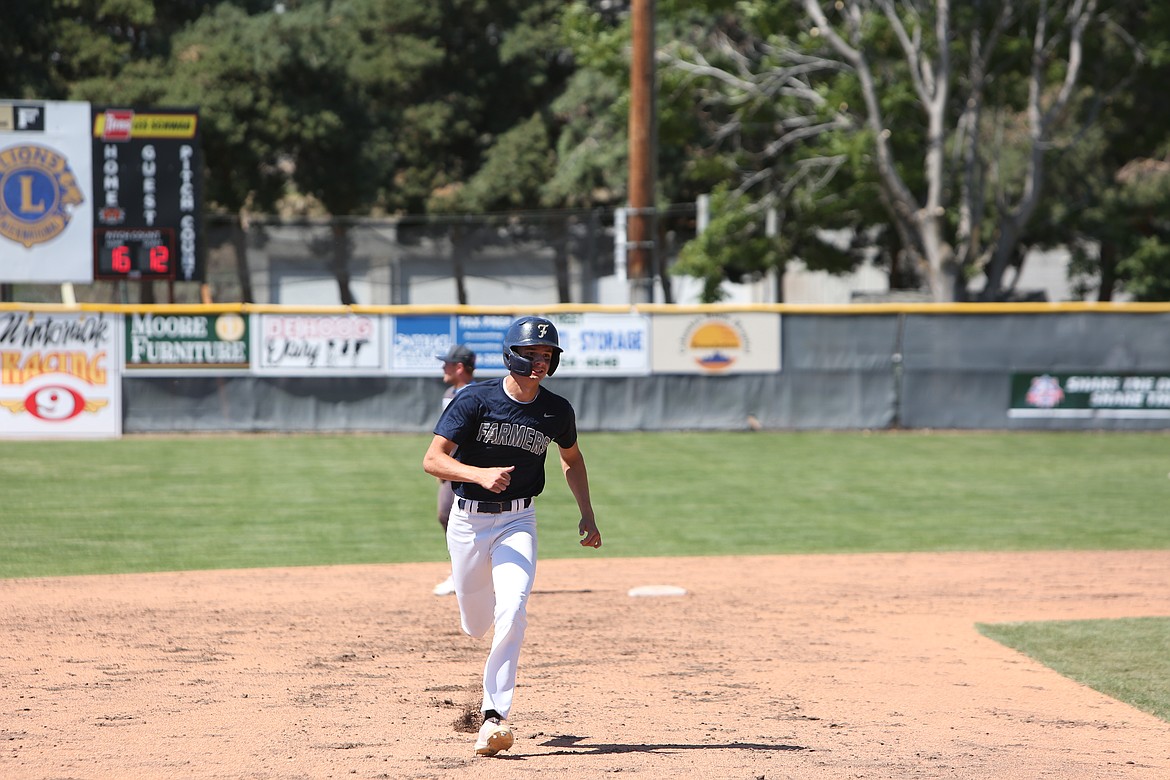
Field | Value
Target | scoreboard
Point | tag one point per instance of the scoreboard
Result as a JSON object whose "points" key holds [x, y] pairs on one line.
{"points": [[147, 194]]}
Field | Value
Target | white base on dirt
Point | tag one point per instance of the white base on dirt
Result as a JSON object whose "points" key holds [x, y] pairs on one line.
{"points": [[658, 590]]}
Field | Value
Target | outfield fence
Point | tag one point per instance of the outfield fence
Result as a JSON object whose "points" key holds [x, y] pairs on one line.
{"points": [[102, 370]]}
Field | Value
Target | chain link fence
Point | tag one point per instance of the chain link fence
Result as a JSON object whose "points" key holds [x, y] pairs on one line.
{"points": [[530, 258]]}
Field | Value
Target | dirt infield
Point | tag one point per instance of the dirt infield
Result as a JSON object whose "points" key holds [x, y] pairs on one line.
{"points": [[770, 667]]}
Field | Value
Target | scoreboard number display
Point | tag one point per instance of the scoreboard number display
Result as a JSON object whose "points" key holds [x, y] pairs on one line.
{"points": [[135, 254], [147, 187]]}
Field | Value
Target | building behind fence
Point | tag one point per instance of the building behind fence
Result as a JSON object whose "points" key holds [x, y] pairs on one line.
{"points": [[517, 259]]}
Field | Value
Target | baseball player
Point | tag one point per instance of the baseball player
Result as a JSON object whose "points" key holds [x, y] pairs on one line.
{"points": [[490, 442], [458, 372]]}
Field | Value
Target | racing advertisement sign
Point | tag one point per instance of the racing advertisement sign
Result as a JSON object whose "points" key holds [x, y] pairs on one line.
{"points": [[734, 343], [59, 375], [317, 344], [177, 344], [1090, 395], [46, 192]]}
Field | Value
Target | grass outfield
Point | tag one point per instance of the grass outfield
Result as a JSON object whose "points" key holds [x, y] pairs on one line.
{"points": [[148, 503]]}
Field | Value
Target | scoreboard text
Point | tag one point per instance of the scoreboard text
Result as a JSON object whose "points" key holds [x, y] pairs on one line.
{"points": [[147, 185]]}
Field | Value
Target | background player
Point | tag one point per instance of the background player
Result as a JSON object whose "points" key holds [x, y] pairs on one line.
{"points": [[458, 372], [491, 442]]}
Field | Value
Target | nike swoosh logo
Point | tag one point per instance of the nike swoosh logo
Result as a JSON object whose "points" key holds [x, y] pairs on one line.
{"points": [[550, 415]]}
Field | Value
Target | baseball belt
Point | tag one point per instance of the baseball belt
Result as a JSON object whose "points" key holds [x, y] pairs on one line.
{"points": [[493, 507]]}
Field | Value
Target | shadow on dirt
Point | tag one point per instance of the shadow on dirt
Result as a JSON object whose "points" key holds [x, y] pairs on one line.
{"points": [[569, 741]]}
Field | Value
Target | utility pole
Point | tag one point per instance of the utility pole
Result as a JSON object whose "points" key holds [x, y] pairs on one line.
{"points": [[642, 130]]}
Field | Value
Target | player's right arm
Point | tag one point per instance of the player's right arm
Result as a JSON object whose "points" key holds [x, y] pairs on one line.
{"points": [[438, 462]]}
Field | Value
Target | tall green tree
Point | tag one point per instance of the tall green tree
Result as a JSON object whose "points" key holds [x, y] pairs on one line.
{"points": [[499, 67], [1109, 203], [117, 52], [66, 49], [592, 110], [26, 64], [764, 134], [228, 64], [997, 87], [927, 128], [334, 62]]}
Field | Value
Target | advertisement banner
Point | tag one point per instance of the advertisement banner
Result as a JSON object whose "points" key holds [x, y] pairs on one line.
{"points": [[1089, 395], [598, 344], [594, 344], [734, 343], [46, 192], [484, 335], [177, 344], [317, 344], [59, 375], [415, 340]]}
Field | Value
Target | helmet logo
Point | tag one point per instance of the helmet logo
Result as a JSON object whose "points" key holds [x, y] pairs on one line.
{"points": [[542, 329]]}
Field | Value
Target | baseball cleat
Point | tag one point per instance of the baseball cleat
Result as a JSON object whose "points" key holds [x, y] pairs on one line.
{"points": [[494, 736], [446, 587]]}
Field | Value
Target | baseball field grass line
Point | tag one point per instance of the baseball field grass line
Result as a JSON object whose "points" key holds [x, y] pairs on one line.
{"points": [[171, 503], [1123, 658]]}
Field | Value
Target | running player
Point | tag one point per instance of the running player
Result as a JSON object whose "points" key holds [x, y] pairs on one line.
{"points": [[490, 443]]}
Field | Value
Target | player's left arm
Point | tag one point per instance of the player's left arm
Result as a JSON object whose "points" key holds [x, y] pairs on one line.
{"points": [[573, 465]]}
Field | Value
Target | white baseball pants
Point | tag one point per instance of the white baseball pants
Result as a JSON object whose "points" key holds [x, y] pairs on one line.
{"points": [[493, 564]]}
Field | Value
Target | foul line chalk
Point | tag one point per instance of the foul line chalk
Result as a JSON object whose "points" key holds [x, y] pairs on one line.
{"points": [[658, 590]]}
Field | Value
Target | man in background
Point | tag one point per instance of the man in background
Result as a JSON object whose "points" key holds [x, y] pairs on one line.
{"points": [[458, 372]]}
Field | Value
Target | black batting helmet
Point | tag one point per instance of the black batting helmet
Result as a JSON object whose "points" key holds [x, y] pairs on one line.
{"points": [[530, 332]]}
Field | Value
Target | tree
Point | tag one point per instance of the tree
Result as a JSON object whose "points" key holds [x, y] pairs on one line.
{"points": [[1124, 239], [513, 160], [1109, 195], [112, 52], [994, 84], [335, 63], [942, 151], [499, 65], [227, 64], [763, 139], [26, 69], [401, 103]]}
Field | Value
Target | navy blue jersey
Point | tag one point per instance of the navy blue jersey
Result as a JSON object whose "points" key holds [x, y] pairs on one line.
{"points": [[491, 429]]}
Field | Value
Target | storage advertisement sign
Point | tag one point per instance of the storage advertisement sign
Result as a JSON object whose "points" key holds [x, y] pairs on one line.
{"points": [[597, 344], [593, 344]]}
